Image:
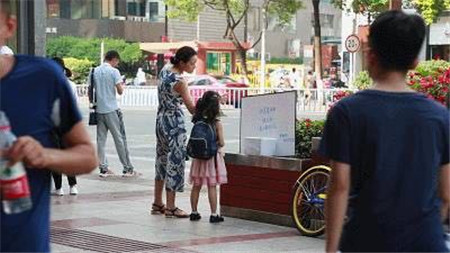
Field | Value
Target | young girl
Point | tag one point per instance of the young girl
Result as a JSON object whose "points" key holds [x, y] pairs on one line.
{"points": [[210, 172]]}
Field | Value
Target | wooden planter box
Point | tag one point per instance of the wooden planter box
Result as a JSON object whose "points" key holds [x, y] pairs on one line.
{"points": [[260, 188]]}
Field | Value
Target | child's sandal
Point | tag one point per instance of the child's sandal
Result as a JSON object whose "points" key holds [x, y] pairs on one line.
{"points": [[158, 209], [176, 213]]}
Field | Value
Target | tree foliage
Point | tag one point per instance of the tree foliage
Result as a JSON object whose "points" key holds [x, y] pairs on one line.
{"points": [[189, 10], [79, 67], [428, 9], [85, 48], [235, 11], [369, 7], [363, 80]]}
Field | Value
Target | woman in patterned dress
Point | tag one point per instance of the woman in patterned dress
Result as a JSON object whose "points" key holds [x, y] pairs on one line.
{"points": [[171, 131]]}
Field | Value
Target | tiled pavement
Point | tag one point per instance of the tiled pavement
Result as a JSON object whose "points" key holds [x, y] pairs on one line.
{"points": [[112, 215]]}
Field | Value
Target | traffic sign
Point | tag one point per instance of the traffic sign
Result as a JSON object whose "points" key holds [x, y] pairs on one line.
{"points": [[352, 43]]}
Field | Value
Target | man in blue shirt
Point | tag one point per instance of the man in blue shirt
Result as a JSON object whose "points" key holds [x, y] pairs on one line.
{"points": [[389, 148], [37, 99], [107, 82]]}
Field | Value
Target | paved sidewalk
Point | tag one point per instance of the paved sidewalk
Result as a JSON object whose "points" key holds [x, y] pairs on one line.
{"points": [[112, 215]]}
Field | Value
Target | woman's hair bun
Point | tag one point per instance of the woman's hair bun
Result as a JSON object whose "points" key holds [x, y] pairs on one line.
{"points": [[174, 60]]}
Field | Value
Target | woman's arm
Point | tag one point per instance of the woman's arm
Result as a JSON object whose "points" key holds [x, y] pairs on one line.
{"points": [[219, 130], [182, 88]]}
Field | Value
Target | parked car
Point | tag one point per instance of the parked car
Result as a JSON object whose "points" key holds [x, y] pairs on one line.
{"points": [[231, 83], [200, 83]]}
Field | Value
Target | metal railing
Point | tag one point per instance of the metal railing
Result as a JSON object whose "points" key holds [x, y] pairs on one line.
{"points": [[308, 100]]}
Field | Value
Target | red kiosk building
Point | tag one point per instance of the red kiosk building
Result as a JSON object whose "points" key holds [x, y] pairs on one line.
{"points": [[213, 57]]}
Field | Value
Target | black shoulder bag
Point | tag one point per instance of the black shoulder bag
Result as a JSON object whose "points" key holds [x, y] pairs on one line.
{"points": [[92, 100]]}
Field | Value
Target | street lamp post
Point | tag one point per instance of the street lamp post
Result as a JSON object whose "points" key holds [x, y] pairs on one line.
{"points": [[263, 53]]}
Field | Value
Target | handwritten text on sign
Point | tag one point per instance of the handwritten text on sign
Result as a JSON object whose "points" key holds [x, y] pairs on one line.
{"points": [[270, 116], [267, 121]]}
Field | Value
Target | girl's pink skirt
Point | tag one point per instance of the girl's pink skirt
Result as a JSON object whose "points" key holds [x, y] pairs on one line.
{"points": [[208, 172]]}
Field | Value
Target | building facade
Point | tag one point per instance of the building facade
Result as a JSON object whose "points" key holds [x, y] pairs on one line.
{"points": [[440, 37], [286, 41], [290, 40], [131, 20]]}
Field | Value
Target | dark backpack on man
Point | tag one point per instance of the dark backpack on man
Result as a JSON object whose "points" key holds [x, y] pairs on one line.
{"points": [[202, 143]]}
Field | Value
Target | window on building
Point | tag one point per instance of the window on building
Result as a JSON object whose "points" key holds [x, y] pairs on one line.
{"points": [[255, 19], [218, 63], [65, 9], [108, 8], [153, 11], [53, 10], [94, 9], [85, 9], [136, 8], [274, 24], [326, 20]]}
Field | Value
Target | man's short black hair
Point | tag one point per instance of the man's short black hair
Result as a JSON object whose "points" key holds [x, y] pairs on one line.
{"points": [[396, 39], [111, 55]]}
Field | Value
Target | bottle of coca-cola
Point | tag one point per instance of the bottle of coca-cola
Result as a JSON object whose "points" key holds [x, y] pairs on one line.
{"points": [[13, 179]]}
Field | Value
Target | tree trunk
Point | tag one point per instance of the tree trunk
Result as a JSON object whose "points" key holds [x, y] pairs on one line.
{"points": [[395, 4], [317, 40], [243, 56], [242, 51]]}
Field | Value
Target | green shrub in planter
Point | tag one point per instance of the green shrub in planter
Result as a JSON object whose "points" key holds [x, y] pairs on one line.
{"points": [[79, 67], [362, 80], [305, 130], [431, 68]]}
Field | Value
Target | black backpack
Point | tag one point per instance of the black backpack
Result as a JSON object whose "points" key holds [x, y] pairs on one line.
{"points": [[202, 143]]}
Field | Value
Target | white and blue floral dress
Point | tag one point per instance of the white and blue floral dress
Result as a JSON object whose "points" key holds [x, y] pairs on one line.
{"points": [[170, 133]]}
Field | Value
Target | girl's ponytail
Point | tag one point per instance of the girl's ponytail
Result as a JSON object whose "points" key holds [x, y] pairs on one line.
{"points": [[199, 107]]}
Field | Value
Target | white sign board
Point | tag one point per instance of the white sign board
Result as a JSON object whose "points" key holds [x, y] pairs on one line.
{"points": [[352, 43], [269, 118], [440, 34]]}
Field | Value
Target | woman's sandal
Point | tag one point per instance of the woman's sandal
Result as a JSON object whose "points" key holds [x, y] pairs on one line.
{"points": [[176, 213], [158, 209]]}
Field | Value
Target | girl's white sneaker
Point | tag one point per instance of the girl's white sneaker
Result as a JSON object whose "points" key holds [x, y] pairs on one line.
{"points": [[73, 190], [59, 192]]}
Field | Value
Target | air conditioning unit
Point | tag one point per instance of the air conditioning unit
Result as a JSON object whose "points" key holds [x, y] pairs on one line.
{"points": [[257, 55], [253, 55], [119, 18]]}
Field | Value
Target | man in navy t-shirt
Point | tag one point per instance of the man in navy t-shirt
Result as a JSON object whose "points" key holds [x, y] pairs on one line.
{"points": [[37, 99], [389, 148]]}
